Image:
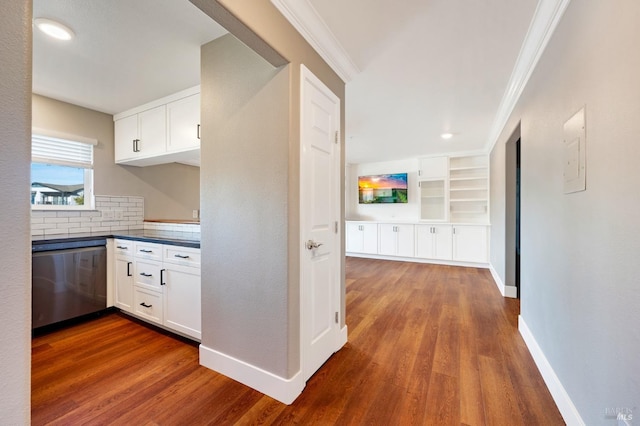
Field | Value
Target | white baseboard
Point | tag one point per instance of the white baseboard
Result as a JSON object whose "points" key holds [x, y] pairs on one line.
{"points": [[418, 260], [281, 389], [342, 337], [505, 290], [569, 412]]}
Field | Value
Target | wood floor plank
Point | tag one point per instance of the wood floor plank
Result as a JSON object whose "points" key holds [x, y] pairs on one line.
{"points": [[428, 345]]}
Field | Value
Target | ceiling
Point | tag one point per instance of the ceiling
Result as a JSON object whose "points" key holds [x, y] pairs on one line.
{"points": [[125, 53], [414, 69], [419, 68], [423, 68]]}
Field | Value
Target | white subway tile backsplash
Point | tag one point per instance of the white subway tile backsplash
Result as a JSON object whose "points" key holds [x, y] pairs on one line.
{"points": [[41, 213], [56, 219], [55, 232], [123, 213], [68, 214], [79, 230]]}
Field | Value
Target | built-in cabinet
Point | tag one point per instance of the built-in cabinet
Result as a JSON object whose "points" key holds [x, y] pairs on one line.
{"points": [[437, 242], [160, 284], [469, 189], [470, 243], [163, 131], [396, 239], [362, 237], [453, 222], [434, 241], [454, 189], [123, 264]]}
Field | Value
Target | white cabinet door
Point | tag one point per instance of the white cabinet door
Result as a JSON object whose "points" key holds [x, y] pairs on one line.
{"points": [[182, 299], [141, 135], [183, 124], [470, 243], [396, 239], [434, 241], [406, 240], [355, 238], [443, 239], [124, 283], [362, 238], [125, 136], [152, 132], [433, 167], [370, 238], [388, 241]]}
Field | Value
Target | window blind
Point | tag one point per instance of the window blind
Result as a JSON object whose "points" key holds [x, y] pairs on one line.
{"points": [[51, 150]]}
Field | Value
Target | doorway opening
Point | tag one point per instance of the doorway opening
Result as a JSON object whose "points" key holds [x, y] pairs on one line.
{"points": [[513, 210]]}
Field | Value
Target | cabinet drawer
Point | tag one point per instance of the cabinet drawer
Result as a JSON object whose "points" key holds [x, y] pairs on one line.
{"points": [[148, 304], [148, 250], [123, 248], [181, 255], [148, 274]]}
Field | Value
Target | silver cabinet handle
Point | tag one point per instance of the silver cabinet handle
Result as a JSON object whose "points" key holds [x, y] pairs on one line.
{"points": [[179, 256], [146, 251], [312, 245]]}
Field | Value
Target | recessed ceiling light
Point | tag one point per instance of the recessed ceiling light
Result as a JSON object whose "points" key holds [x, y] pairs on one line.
{"points": [[446, 135], [53, 28]]}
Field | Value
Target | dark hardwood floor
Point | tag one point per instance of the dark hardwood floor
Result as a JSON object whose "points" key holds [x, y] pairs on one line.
{"points": [[428, 345]]}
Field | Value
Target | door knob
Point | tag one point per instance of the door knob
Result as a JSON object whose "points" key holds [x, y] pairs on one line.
{"points": [[312, 245]]}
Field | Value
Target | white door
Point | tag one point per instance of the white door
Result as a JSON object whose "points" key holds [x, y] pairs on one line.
{"points": [[319, 216]]}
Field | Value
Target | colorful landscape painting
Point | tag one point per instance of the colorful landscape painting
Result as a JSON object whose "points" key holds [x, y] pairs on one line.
{"points": [[382, 189]]}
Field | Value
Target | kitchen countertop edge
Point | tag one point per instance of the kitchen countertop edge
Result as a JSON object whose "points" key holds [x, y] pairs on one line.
{"points": [[138, 235]]}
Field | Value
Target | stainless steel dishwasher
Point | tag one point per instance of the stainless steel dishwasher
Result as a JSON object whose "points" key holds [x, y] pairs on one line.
{"points": [[69, 280]]}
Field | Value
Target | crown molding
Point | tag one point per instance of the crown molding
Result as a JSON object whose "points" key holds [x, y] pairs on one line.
{"points": [[304, 18], [543, 24]]}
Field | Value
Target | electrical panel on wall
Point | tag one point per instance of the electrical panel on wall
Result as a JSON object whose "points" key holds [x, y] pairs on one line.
{"points": [[575, 153]]}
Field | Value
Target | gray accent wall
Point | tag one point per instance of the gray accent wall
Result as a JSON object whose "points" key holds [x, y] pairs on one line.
{"points": [[15, 250], [580, 283], [249, 301]]}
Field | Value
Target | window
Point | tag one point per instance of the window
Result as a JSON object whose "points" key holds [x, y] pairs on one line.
{"points": [[61, 171]]}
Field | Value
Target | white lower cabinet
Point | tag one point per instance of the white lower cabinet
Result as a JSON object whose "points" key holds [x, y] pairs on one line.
{"points": [[148, 304], [396, 239], [160, 284], [470, 243], [440, 241], [123, 285], [362, 237], [434, 241], [182, 299]]}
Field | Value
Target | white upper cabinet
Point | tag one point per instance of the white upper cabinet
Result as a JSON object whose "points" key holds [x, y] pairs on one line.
{"points": [[433, 168], [183, 123], [141, 135], [163, 131]]}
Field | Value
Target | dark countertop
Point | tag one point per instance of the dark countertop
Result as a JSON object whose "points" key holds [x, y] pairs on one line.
{"points": [[149, 236]]}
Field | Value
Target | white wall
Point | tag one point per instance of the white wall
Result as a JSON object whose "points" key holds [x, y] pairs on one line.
{"points": [[579, 283], [401, 212], [15, 252]]}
